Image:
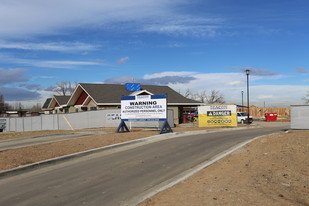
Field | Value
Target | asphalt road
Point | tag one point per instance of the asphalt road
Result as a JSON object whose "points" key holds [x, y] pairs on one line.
{"points": [[115, 178]]}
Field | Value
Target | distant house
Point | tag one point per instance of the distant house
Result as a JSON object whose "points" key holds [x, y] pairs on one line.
{"points": [[15, 113], [88, 97], [56, 104]]}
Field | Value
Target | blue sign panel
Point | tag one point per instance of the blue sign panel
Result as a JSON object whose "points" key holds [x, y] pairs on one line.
{"points": [[132, 87]]}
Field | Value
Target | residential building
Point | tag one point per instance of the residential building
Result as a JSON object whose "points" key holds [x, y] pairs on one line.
{"points": [[88, 97]]}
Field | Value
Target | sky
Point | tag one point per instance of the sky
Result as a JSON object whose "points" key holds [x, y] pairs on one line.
{"points": [[201, 45]]}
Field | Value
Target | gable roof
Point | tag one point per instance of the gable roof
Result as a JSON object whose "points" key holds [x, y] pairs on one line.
{"points": [[46, 104], [50, 103], [107, 94], [62, 100]]}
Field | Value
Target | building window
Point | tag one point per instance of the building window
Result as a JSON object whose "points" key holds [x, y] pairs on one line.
{"points": [[93, 108]]}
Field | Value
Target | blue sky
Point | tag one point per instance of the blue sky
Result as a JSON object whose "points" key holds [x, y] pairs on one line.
{"points": [[197, 45]]}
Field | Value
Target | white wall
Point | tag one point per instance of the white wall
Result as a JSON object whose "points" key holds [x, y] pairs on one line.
{"points": [[80, 120], [300, 117]]}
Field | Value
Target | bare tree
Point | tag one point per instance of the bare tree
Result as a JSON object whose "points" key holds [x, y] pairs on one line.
{"points": [[188, 93], [202, 96], [36, 108], [3, 106], [18, 106], [64, 88], [215, 97]]}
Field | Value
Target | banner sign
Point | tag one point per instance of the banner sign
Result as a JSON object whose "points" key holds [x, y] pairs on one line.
{"points": [[113, 116], [217, 116], [143, 108]]}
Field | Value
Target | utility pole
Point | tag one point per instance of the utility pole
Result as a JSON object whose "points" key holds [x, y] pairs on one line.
{"points": [[242, 100], [247, 73]]}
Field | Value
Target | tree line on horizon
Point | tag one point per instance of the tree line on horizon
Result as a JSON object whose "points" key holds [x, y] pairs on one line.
{"points": [[17, 106]]}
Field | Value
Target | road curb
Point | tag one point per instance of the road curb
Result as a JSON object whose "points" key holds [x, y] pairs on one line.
{"points": [[32, 166]]}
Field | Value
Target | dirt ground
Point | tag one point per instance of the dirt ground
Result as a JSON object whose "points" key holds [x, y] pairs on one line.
{"points": [[273, 170]]}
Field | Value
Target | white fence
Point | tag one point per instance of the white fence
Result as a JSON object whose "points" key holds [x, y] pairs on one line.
{"points": [[80, 120], [299, 116]]}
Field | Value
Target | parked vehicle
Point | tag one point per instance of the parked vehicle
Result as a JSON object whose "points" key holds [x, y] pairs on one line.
{"points": [[2, 124], [242, 118]]}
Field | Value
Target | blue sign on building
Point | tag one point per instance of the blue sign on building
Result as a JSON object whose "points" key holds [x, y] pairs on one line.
{"points": [[132, 87]]}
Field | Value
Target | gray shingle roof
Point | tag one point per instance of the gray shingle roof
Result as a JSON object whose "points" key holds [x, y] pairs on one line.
{"points": [[111, 93], [62, 100], [46, 103]]}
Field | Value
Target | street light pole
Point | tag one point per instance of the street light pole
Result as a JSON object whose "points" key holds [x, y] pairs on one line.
{"points": [[247, 73], [242, 100]]}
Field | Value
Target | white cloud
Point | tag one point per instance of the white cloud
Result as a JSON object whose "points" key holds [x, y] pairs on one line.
{"points": [[64, 64], [262, 97], [35, 17], [166, 74], [165, 80], [11, 76], [57, 64], [183, 29], [36, 97], [231, 85], [70, 62], [214, 80], [49, 46], [19, 94], [301, 70], [174, 45], [185, 25], [235, 83], [123, 60], [20, 18], [278, 95]]}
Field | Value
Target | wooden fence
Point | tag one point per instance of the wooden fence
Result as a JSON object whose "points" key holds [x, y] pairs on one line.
{"points": [[256, 112]]}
